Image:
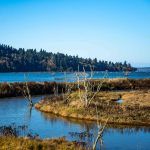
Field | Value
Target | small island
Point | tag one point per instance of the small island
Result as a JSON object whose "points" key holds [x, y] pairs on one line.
{"points": [[128, 103]]}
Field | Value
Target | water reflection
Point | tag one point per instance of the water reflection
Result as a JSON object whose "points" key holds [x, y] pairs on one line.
{"points": [[47, 126], [121, 133], [28, 114], [92, 125], [54, 118]]}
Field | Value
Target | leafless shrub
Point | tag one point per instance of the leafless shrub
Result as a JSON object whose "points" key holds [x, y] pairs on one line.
{"points": [[27, 93], [86, 88]]}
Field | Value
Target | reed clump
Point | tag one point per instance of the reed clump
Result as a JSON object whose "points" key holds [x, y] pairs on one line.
{"points": [[13, 137]]}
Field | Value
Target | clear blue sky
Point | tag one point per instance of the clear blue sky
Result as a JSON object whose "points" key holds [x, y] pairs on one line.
{"points": [[115, 30]]}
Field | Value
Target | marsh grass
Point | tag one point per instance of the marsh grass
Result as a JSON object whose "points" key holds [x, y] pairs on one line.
{"points": [[36, 88], [10, 139], [13, 143], [132, 111]]}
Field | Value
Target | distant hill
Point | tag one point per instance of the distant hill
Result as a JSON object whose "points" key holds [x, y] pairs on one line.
{"points": [[144, 69], [21, 60]]}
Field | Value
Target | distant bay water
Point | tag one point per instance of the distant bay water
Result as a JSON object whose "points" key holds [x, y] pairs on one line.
{"points": [[67, 76]]}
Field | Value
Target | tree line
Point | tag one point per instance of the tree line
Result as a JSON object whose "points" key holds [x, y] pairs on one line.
{"points": [[31, 60]]}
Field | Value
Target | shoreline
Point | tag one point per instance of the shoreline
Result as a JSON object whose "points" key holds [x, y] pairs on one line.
{"points": [[130, 112], [93, 119], [39, 88]]}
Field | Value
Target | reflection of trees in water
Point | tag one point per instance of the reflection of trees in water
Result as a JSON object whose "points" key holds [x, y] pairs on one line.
{"points": [[126, 129], [89, 129], [88, 139], [54, 118], [91, 126], [84, 137], [88, 136], [28, 115], [13, 130]]}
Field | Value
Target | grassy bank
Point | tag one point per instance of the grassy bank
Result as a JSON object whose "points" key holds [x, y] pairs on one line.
{"points": [[13, 143], [134, 110], [36, 88]]}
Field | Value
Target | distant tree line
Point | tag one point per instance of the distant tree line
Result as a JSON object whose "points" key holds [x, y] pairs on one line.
{"points": [[21, 60]]}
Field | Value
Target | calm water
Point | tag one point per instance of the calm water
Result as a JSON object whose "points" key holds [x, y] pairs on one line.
{"points": [[16, 110], [60, 76]]}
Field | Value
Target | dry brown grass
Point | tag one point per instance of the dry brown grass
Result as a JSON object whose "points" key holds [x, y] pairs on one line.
{"points": [[135, 108], [141, 98], [12, 143], [36, 88]]}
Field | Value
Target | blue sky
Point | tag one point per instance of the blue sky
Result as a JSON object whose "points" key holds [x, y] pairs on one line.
{"points": [[115, 30]]}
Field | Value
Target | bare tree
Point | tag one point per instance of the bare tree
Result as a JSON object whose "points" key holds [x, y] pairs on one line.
{"points": [[26, 92], [100, 128], [55, 89], [68, 88], [87, 94]]}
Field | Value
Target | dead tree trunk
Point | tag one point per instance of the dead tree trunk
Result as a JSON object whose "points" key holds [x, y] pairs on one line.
{"points": [[27, 93], [100, 130]]}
